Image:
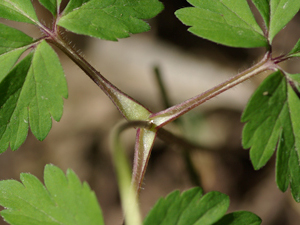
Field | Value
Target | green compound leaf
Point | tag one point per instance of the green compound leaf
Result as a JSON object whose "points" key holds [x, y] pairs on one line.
{"points": [[21, 11], [31, 93], [276, 13], [191, 208], [273, 121], [282, 11], [64, 200], [111, 19], [51, 5], [223, 21], [12, 44], [73, 4]]}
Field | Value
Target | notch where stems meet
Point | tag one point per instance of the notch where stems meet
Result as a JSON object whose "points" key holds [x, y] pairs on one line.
{"points": [[132, 110]]}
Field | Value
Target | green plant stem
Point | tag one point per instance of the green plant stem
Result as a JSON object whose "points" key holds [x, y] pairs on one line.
{"points": [[133, 111], [172, 139], [166, 116], [128, 189], [194, 176], [145, 138], [161, 86], [128, 107]]}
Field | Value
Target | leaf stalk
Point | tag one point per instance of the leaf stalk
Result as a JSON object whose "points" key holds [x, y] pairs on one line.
{"points": [[166, 116], [128, 189]]}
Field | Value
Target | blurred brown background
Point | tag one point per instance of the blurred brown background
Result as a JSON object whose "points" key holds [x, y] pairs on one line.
{"points": [[189, 66]]}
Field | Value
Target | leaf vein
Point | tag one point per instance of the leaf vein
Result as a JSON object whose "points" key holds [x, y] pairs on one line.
{"points": [[249, 25]]}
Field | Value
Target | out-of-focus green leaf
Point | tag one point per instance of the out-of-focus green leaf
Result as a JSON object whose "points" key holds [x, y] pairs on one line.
{"points": [[31, 93], [64, 200], [295, 78], [239, 218], [51, 5], [273, 121], [13, 120], [18, 10], [263, 7], [226, 22], [295, 52], [282, 11], [74, 4], [189, 208], [111, 19]]}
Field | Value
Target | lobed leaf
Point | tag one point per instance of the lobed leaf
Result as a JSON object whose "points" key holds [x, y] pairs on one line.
{"points": [[63, 200], [20, 11], [31, 93], [272, 121], [110, 19], [74, 4], [191, 208], [13, 120], [51, 5], [223, 21], [239, 218], [12, 44], [11, 39], [8, 60], [281, 12]]}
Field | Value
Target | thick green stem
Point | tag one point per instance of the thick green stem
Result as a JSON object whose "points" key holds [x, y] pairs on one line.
{"points": [[129, 108], [166, 116]]}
